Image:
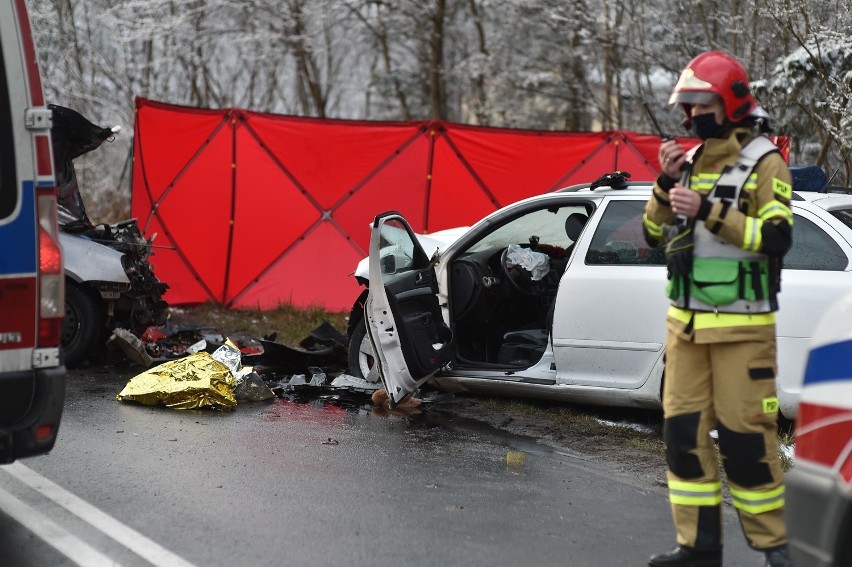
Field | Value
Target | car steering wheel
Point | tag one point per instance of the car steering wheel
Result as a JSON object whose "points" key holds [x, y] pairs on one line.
{"points": [[520, 278]]}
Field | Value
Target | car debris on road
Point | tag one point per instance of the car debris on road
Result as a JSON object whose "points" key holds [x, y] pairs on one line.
{"points": [[199, 368]]}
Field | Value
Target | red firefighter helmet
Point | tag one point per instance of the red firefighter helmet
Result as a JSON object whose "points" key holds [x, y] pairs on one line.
{"points": [[714, 73]]}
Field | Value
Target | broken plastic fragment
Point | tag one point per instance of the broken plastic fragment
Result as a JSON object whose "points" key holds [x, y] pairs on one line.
{"points": [[131, 346], [251, 387], [353, 382], [197, 347]]}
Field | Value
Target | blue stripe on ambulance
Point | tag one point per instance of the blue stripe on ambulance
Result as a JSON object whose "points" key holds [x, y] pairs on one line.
{"points": [[20, 238], [829, 363]]}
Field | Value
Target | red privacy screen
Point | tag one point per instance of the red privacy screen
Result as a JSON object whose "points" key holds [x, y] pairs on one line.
{"points": [[257, 210]]}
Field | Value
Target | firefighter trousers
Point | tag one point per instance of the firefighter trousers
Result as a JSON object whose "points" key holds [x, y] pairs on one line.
{"points": [[729, 387]]}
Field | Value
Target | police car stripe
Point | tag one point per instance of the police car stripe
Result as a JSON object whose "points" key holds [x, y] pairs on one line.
{"points": [[829, 394], [829, 363]]}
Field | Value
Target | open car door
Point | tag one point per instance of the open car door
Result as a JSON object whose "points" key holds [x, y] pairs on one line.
{"points": [[409, 336]]}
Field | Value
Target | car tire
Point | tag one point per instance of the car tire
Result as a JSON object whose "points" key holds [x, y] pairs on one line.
{"points": [[361, 358], [81, 327]]}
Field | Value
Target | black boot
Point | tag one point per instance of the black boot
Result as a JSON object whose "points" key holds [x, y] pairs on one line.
{"points": [[778, 557], [682, 556]]}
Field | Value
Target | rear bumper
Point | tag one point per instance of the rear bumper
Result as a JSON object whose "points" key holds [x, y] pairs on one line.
{"points": [[819, 517], [18, 439]]}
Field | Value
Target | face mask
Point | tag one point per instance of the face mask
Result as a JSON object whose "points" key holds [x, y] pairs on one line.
{"points": [[705, 126]]}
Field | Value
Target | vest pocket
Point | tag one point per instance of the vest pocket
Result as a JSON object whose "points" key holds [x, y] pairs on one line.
{"points": [[674, 288], [716, 281], [755, 280]]}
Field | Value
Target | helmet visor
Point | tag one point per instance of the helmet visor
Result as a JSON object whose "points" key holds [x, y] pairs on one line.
{"points": [[693, 97]]}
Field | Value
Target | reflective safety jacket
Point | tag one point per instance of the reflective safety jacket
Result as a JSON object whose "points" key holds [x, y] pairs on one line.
{"points": [[741, 233]]}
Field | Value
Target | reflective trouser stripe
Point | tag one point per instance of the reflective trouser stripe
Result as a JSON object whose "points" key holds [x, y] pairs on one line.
{"points": [[756, 502], [695, 493]]}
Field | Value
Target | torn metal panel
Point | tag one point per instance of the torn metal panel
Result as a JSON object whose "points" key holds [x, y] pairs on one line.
{"points": [[131, 346], [286, 359], [324, 335]]}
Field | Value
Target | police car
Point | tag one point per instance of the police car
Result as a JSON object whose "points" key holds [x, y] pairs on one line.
{"points": [[819, 486], [32, 376]]}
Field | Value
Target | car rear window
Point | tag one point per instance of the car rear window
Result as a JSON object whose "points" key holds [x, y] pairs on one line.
{"points": [[619, 240], [813, 249], [844, 216]]}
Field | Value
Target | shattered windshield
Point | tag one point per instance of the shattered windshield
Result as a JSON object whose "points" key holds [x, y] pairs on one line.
{"points": [[546, 224]]}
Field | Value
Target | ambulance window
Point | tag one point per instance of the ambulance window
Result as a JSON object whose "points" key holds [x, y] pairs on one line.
{"points": [[8, 185], [813, 249]]}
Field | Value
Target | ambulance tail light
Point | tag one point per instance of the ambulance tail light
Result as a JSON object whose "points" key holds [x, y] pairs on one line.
{"points": [[51, 278]]}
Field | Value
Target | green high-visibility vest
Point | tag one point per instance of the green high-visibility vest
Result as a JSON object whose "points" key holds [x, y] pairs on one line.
{"points": [[726, 278]]}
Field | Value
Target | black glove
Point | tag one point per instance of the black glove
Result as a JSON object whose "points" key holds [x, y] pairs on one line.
{"points": [[616, 180], [679, 251]]}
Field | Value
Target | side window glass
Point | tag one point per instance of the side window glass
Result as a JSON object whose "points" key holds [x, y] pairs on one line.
{"points": [[843, 215], [813, 249], [397, 250], [619, 240], [8, 183]]}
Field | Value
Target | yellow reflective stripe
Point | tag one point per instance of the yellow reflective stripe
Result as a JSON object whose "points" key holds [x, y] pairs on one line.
{"points": [[752, 238], [703, 181], [708, 180], [718, 320], [775, 209], [681, 315], [783, 189], [758, 501], [653, 228], [695, 493]]}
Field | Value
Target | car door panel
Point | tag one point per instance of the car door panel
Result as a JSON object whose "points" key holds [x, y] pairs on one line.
{"points": [[609, 322], [405, 324]]}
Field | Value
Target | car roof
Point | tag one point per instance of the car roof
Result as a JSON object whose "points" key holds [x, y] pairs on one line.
{"points": [[824, 200], [828, 200], [633, 188]]}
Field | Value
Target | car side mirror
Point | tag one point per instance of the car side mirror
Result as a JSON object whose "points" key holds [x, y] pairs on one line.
{"points": [[388, 264]]}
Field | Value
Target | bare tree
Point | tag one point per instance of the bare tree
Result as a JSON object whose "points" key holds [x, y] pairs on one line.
{"points": [[542, 64]]}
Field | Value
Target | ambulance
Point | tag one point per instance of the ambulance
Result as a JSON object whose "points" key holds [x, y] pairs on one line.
{"points": [[32, 374]]}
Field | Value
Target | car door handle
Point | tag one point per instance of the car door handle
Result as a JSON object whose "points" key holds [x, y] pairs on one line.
{"points": [[421, 279], [409, 293]]}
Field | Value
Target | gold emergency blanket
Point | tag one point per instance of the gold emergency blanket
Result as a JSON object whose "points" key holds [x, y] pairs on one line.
{"points": [[194, 382]]}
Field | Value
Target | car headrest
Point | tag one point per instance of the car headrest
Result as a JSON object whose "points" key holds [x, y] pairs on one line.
{"points": [[574, 225]]}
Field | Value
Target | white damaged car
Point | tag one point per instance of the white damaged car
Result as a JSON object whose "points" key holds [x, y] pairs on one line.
{"points": [[482, 315], [109, 282]]}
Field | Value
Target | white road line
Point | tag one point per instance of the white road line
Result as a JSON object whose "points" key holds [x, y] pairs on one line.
{"points": [[64, 542], [123, 534]]}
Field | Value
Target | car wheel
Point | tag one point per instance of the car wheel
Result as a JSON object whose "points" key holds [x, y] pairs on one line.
{"points": [[361, 357], [81, 327]]}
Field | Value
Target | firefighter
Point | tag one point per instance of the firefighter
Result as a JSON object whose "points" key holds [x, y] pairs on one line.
{"points": [[723, 212]]}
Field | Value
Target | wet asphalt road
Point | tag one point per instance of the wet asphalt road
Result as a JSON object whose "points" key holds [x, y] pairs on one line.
{"points": [[281, 483]]}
